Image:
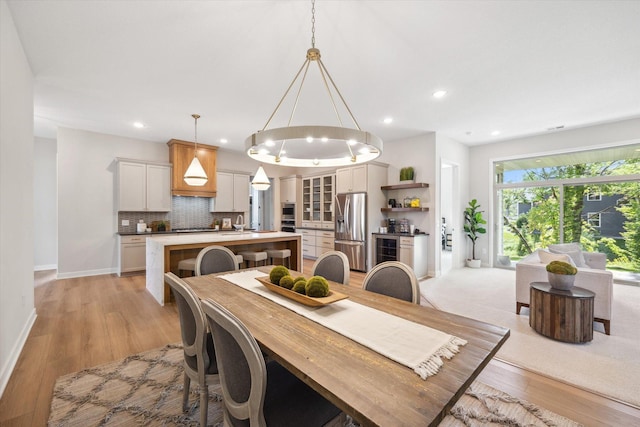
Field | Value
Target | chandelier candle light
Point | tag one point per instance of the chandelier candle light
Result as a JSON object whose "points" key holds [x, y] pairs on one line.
{"points": [[195, 174], [333, 145]]}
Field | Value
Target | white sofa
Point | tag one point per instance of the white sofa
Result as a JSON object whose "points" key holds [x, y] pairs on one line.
{"points": [[591, 275]]}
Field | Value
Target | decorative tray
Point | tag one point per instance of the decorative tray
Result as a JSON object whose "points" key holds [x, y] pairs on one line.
{"points": [[306, 300]]}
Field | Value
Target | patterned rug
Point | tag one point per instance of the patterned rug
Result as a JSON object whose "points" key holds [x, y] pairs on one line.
{"points": [[146, 389]]}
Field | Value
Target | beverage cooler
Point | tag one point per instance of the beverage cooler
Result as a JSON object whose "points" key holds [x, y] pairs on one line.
{"points": [[288, 222]]}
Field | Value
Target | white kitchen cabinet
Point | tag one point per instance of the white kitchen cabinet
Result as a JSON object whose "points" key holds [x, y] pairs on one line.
{"points": [[143, 187], [289, 189], [349, 180], [316, 242], [132, 254], [317, 201], [232, 193]]}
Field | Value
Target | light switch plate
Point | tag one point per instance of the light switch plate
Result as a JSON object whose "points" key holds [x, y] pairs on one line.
{"points": [[125, 222]]}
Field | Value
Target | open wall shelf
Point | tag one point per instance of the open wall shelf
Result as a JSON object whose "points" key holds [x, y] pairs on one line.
{"points": [[405, 186], [404, 209]]}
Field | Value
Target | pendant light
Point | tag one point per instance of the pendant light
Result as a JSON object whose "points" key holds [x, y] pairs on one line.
{"points": [[261, 180], [195, 174], [314, 145]]}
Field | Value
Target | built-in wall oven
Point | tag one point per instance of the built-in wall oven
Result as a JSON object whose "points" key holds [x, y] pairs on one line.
{"points": [[288, 222]]}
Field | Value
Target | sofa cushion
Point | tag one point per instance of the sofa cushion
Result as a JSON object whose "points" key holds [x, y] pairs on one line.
{"points": [[571, 249], [546, 257]]}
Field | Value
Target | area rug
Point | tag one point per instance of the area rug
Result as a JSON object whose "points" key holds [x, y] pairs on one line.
{"points": [[609, 365], [146, 389]]}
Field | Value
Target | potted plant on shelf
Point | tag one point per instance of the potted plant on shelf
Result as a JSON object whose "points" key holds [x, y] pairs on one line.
{"points": [[406, 175], [473, 228]]}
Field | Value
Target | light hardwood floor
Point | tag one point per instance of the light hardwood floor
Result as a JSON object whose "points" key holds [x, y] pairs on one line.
{"points": [[87, 321]]}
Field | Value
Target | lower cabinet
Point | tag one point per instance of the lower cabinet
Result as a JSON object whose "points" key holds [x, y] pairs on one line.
{"points": [[133, 254], [316, 242]]}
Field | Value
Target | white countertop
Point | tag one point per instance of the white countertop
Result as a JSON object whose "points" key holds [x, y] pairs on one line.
{"points": [[222, 236]]}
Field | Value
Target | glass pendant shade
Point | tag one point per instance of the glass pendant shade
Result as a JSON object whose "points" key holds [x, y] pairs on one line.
{"points": [[261, 180], [195, 174]]}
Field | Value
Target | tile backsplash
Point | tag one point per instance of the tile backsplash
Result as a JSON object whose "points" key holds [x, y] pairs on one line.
{"points": [[186, 212]]}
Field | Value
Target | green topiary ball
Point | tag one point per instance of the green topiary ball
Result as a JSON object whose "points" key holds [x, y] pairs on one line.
{"points": [[297, 279], [317, 286], [277, 273], [561, 267], [286, 282], [299, 286]]}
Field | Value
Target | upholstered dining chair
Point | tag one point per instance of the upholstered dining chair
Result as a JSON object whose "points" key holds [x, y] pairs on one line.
{"points": [[264, 394], [395, 279], [215, 259], [332, 265], [200, 363]]}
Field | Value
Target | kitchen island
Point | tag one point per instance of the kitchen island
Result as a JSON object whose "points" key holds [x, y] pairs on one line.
{"points": [[164, 252]]}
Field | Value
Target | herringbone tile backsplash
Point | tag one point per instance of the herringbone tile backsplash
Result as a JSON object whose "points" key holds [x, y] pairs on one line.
{"points": [[186, 212]]}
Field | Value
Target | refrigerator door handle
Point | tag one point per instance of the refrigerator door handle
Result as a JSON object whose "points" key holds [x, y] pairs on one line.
{"points": [[349, 242]]}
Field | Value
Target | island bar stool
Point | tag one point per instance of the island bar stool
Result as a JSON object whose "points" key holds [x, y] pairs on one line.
{"points": [[249, 256], [189, 264], [282, 254]]}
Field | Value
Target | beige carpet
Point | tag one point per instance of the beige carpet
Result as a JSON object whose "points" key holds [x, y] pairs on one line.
{"points": [[608, 365], [146, 389]]}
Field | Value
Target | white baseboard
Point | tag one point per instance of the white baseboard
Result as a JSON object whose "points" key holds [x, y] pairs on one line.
{"points": [[7, 369], [45, 267], [86, 273]]}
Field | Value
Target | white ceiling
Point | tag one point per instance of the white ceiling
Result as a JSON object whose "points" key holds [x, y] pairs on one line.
{"points": [[519, 67]]}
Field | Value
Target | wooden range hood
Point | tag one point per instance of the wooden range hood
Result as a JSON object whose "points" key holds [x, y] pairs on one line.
{"points": [[180, 156]]}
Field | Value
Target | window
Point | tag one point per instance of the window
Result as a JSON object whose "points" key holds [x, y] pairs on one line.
{"points": [[594, 197], [593, 218]]}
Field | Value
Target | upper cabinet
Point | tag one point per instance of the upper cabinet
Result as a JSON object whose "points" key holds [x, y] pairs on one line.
{"points": [[349, 180], [289, 187], [143, 186], [233, 193], [180, 155], [317, 201]]}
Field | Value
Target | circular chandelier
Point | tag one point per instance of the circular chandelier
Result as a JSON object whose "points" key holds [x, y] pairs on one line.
{"points": [[313, 145]]}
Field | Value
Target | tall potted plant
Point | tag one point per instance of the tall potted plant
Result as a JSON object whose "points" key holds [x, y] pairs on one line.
{"points": [[473, 228]]}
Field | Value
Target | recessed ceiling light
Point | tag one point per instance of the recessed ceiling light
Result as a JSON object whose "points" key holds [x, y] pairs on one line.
{"points": [[388, 120], [309, 139], [324, 139], [138, 125], [439, 93], [223, 141], [495, 133]]}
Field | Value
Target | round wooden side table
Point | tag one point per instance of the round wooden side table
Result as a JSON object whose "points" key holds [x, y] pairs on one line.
{"points": [[561, 315]]}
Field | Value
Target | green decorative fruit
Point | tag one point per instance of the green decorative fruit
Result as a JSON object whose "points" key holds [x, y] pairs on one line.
{"points": [[561, 267], [299, 286], [317, 286], [286, 282], [277, 273]]}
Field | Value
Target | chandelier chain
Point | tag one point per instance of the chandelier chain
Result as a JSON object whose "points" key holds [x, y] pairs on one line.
{"points": [[313, 23]]}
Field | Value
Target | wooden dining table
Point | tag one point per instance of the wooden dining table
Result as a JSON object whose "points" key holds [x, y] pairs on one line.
{"points": [[374, 390]]}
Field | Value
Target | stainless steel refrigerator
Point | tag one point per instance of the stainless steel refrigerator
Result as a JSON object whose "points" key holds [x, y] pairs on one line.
{"points": [[351, 228]]}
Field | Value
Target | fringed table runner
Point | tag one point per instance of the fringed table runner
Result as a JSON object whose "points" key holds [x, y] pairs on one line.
{"points": [[411, 344]]}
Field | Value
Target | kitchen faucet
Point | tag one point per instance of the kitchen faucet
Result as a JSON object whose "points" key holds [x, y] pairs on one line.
{"points": [[240, 219]]}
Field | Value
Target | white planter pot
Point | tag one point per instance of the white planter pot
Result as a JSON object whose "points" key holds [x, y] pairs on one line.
{"points": [[561, 281], [473, 263]]}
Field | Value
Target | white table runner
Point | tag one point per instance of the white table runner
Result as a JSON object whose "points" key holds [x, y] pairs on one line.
{"points": [[411, 344]]}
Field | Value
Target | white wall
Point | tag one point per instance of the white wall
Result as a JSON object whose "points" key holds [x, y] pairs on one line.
{"points": [[481, 168], [420, 153], [87, 210], [45, 204], [17, 312], [454, 153]]}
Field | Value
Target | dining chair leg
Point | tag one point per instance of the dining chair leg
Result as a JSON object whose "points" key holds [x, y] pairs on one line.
{"points": [[185, 394], [204, 405]]}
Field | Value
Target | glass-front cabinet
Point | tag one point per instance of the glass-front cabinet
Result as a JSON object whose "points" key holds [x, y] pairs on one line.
{"points": [[317, 201]]}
